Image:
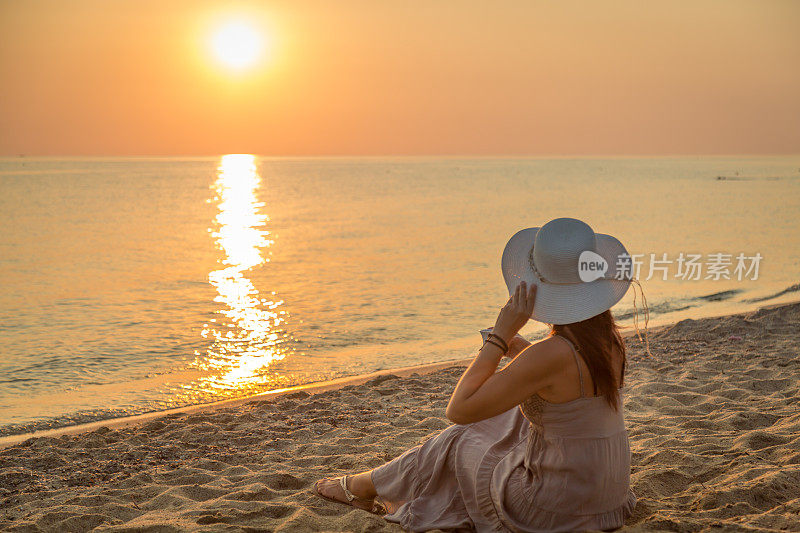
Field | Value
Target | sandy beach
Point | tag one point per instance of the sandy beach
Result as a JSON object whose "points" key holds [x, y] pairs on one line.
{"points": [[713, 420]]}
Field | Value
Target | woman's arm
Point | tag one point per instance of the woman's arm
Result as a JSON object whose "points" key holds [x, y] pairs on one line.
{"points": [[481, 369], [482, 392]]}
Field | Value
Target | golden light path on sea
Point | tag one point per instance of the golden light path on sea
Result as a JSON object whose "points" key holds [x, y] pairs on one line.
{"points": [[247, 335]]}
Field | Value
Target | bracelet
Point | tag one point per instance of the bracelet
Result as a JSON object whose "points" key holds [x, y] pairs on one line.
{"points": [[503, 345], [496, 344]]}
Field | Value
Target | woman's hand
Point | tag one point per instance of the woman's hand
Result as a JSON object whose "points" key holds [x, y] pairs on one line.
{"points": [[516, 312]]}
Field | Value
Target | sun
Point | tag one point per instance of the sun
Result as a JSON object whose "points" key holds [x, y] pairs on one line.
{"points": [[237, 45]]}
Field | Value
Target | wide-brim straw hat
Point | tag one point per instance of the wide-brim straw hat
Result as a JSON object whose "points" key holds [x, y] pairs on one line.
{"points": [[555, 257]]}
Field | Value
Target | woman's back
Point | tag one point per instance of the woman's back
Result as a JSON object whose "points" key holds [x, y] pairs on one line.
{"points": [[578, 457], [575, 375]]}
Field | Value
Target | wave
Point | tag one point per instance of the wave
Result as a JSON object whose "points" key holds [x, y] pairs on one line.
{"points": [[787, 290], [681, 304], [660, 308], [719, 296]]}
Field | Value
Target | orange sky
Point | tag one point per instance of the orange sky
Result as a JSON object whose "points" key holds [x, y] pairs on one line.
{"points": [[373, 77]]}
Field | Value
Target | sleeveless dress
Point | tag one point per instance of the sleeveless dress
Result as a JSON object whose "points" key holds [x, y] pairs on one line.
{"points": [[540, 467]]}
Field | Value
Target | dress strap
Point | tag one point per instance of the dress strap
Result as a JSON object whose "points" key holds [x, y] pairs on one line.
{"points": [[578, 363]]}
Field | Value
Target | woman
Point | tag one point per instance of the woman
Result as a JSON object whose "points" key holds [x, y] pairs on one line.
{"points": [[540, 445]]}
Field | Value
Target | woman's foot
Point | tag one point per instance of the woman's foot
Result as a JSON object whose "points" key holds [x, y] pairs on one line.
{"points": [[331, 488]]}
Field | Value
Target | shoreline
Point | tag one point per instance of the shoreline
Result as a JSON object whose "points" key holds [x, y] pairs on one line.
{"points": [[312, 388]]}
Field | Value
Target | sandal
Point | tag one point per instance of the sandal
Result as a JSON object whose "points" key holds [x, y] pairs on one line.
{"points": [[375, 507]]}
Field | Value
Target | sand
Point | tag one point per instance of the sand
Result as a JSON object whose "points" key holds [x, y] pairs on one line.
{"points": [[713, 418]]}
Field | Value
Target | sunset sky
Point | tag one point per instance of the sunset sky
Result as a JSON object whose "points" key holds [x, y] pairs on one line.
{"points": [[375, 77]]}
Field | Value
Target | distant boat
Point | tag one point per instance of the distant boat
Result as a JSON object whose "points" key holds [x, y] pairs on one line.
{"points": [[748, 178]]}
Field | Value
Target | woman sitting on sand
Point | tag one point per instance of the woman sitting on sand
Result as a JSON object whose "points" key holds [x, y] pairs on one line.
{"points": [[531, 449]]}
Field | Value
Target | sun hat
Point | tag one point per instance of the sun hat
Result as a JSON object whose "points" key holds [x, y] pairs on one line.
{"points": [[578, 273]]}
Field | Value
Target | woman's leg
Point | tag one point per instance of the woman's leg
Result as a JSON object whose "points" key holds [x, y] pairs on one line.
{"points": [[361, 485], [400, 479]]}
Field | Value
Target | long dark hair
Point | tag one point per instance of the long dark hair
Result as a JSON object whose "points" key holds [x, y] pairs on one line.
{"points": [[597, 337]]}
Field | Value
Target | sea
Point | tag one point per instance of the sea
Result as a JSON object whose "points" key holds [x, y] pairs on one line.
{"points": [[134, 285]]}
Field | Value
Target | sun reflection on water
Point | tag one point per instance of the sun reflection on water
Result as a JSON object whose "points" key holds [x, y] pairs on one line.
{"points": [[247, 335]]}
